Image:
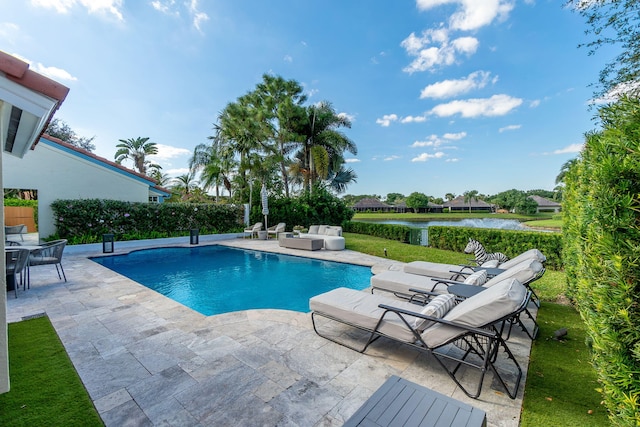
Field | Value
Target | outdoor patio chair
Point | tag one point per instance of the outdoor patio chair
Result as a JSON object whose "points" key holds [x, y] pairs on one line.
{"points": [[460, 271], [16, 261], [274, 230], [15, 229], [253, 230], [50, 254], [469, 335]]}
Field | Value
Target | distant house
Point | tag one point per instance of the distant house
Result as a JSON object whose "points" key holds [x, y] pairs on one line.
{"points": [[431, 208], [546, 205], [372, 205], [58, 170], [459, 205]]}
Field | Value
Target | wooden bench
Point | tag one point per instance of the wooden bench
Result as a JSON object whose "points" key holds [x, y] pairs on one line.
{"points": [[399, 402], [301, 243]]}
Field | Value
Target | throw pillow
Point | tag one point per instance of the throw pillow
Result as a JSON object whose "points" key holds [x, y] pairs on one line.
{"points": [[437, 307], [313, 229], [477, 279], [322, 229], [332, 231]]}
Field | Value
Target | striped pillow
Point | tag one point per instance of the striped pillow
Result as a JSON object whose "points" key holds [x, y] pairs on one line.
{"points": [[477, 279], [437, 307]]}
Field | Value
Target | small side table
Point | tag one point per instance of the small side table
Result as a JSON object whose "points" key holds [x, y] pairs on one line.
{"points": [[399, 402], [465, 291]]}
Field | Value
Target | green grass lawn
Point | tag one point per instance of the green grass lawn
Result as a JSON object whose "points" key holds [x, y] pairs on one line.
{"points": [[45, 388], [561, 383]]}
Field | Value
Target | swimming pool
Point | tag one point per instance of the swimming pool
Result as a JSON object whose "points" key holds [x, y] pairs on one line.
{"points": [[217, 279]]}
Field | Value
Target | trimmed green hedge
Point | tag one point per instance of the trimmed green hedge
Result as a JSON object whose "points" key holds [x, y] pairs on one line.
{"points": [[85, 221], [401, 233], [21, 203], [602, 251], [509, 242]]}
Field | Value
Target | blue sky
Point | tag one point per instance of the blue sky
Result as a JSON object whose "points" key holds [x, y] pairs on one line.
{"points": [[444, 95]]}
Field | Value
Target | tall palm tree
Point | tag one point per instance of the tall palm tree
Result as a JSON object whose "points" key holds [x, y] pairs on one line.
{"points": [[185, 183], [136, 150], [162, 178], [469, 196], [449, 196], [324, 145]]}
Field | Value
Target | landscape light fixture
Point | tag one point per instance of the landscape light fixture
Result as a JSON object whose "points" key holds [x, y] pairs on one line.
{"points": [[107, 243], [194, 236]]}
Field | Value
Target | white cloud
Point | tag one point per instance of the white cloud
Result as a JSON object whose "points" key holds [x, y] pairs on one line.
{"points": [[452, 160], [350, 117], [386, 120], [451, 88], [573, 148], [165, 7], [497, 105], [425, 156], [198, 17], [454, 136], [471, 14], [431, 141], [352, 160], [433, 49], [414, 119], [177, 171], [535, 103], [390, 158], [288, 58], [166, 152], [53, 72], [101, 7], [510, 127]]}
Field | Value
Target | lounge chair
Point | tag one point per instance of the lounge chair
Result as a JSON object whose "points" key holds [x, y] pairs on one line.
{"points": [[253, 230], [276, 229], [50, 254], [457, 272], [474, 325]]}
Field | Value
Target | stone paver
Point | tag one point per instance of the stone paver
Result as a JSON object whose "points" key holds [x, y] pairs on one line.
{"points": [[147, 360]]}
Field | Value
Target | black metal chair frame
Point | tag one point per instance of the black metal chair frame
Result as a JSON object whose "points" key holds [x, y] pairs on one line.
{"points": [[17, 263], [484, 342]]}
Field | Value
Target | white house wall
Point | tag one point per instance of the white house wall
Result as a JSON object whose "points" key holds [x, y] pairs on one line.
{"points": [[59, 173]]}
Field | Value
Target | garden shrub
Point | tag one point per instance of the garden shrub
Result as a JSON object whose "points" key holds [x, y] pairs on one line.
{"points": [[401, 233], [602, 253], [317, 207], [86, 220]]}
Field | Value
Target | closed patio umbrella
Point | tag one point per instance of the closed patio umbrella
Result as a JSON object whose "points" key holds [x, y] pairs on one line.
{"points": [[265, 204]]}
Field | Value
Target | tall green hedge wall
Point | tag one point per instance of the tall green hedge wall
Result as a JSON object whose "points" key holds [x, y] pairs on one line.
{"points": [[602, 253], [85, 221]]}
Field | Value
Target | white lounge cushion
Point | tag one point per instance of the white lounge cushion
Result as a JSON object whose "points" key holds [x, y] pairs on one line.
{"points": [[481, 309], [313, 229], [528, 255], [431, 269], [361, 309], [438, 307], [322, 229], [400, 282], [524, 272], [492, 263], [332, 231], [477, 279]]}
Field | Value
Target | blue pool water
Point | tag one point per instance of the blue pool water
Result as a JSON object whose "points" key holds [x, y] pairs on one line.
{"points": [[217, 279]]}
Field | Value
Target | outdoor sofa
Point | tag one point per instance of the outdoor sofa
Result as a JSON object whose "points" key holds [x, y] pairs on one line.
{"points": [[332, 236]]}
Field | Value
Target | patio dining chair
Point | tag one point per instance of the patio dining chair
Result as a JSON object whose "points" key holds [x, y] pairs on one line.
{"points": [[50, 254], [276, 229], [16, 260]]}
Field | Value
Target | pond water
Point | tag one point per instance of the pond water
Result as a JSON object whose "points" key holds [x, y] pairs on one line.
{"points": [[504, 224]]}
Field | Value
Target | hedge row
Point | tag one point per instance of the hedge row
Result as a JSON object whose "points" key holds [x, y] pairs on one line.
{"points": [[602, 252], [85, 221], [401, 233], [509, 242]]}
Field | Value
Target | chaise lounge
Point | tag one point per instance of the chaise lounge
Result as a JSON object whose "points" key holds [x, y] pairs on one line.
{"points": [[474, 326]]}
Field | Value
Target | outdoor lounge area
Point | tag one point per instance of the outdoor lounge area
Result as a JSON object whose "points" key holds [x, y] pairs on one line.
{"points": [[146, 359]]}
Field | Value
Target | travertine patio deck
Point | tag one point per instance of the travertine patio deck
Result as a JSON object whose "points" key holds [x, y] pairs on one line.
{"points": [[147, 360]]}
